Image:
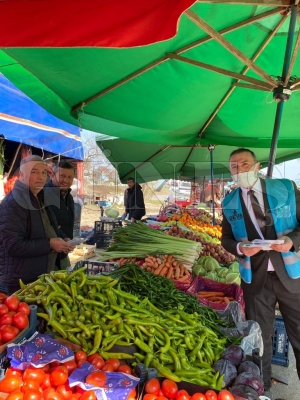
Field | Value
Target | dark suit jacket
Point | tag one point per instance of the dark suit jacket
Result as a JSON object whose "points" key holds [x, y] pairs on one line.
{"points": [[259, 262]]}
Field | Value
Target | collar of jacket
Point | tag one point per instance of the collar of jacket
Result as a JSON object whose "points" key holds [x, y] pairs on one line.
{"points": [[51, 184]]}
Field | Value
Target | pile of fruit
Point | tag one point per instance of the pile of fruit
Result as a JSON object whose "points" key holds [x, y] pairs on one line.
{"points": [[191, 222], [169, 390], [13, 317]]}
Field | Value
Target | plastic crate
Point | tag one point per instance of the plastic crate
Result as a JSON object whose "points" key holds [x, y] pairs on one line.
{"points": [[25, 334], [280, 343], [102, 240], [106, 226], [95, 267]]}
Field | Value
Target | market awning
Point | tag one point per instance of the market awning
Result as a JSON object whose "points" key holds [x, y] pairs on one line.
{"points": [[22, 120], [149, 162]]}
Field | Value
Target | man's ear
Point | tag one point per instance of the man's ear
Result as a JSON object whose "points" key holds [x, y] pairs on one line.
{"points": [[50, 172]]}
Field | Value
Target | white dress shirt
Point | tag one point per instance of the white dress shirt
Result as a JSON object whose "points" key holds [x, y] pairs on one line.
{"points": [[259, 195]]}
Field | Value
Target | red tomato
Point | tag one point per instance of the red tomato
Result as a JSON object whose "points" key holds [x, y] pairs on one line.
{"points": [[150, 397], [225, 395], [54, 396], [182, 395], [20, 320], [15, 396], [58, 377], [6, 319], [96, 378], [23, 307], [46, 382], [12, 302], [125, 369], [17, 331], [74, 396], [81, 355], [71, 366], [152, 386], [10, 384], [7, 332], [65, 391], [61, 367], [47, 392], [107, 368], [36, 374], [161, 398], [114, 362], [169, 388], [198, 396], [30, 384], [98, 362], [46, 368], [3, 297], [132, 395], [211, 395], [55, 364], [3, 309], [88, 395], [13, 372], [160, 393], [33, 395]]}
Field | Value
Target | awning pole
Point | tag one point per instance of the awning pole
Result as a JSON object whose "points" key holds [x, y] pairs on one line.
{"points": [[211, 149], [279, 109]]}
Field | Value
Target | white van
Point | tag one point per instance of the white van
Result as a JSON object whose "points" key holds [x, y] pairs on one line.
{"points": [[184, 189]]}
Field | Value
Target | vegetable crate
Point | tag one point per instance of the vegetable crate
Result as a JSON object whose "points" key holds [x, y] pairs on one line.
{"points": [[95, 267], [25, 334], [106, 226], [280, 343], [102, 240]]}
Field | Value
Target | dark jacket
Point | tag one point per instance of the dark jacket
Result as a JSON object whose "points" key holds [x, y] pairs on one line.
{"points": [[63, 209], [259, 262], [24, 247], [135, 205]]}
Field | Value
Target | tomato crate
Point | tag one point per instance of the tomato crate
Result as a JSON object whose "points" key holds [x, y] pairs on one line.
{"points": [[24, 334], [280, 343]]}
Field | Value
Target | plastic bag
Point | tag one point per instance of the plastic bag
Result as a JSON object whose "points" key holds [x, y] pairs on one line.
{"points": [[38, 351], [184, 286], [230, 290], [249, 330], [118, 385]]}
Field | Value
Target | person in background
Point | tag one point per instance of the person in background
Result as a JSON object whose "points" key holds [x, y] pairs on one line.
{"points": [[265, 209], [208, 196], [135, 206], [29, 241], [62, 203]]}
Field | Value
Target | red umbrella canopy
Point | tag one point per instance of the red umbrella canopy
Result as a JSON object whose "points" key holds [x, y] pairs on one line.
{"points": [[88, 23]]}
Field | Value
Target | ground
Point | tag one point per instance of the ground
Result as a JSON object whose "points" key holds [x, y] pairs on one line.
{"points": [[290, 391]]}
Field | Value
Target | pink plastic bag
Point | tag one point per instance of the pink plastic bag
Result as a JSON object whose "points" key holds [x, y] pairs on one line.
{"points": [[232, 290], [183, 286]]}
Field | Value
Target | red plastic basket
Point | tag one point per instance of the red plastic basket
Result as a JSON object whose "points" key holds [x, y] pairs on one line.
{"points": [[182, 203]]}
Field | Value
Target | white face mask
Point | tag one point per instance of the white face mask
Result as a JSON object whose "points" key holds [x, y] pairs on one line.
{"points": [[245, 179]]}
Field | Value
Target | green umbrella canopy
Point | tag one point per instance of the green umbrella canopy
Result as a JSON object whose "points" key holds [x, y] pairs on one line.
{"points": [[174, 92], [148, 161]]}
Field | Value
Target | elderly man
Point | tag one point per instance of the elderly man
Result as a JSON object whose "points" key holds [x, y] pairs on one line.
{"points": [[265, 209], [28, 230], [62, 203]]}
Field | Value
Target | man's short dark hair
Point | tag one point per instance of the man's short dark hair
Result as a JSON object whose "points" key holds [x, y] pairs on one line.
{"points": [[242, 150], [64, 165], [131, 179]]}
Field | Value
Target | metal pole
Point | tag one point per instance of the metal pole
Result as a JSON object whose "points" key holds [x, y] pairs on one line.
{"points": [[279, 109], [211, 149]]}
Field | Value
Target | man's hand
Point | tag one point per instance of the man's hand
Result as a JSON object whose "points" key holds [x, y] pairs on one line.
{"points": [[284, 247], [66, 239], [248, 251], [60, 246]]}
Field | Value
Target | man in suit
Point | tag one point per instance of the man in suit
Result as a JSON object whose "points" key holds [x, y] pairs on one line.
{"points": [[265, 209]]}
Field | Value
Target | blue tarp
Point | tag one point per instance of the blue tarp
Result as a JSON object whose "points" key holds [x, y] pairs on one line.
{"points": [[22, 120]]}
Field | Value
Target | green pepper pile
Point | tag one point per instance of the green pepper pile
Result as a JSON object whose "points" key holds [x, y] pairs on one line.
{"points": [[94, 312]]}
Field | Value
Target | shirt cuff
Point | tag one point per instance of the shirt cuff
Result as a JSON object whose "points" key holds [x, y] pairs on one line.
{"points": [[238, 250]]}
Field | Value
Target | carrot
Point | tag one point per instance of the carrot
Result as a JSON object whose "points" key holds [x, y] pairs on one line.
{"points": [[159, 269], [155, 265], [148, 259], [177, 273], [164, 271], [183, 279], [158, 260], [211, 293], [181, 270], [174, 263], [168, 265], [231, 299], [169, 259], [226, 300], [170, 272]]}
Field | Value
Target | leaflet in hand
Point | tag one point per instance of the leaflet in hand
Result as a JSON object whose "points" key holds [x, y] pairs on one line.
{"points": [[263, 243]]}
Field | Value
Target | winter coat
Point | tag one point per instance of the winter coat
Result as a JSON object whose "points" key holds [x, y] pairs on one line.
{"points": [[63, 208], [24, 247], [135, 205]]}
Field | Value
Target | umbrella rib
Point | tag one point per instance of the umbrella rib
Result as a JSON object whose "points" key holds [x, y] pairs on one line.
{"points": [[161, 60], [144, 162], [255, 57], [187, 159], [296, 83], [229, 46], [293, 59], [222, 71], [247, 86]]}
